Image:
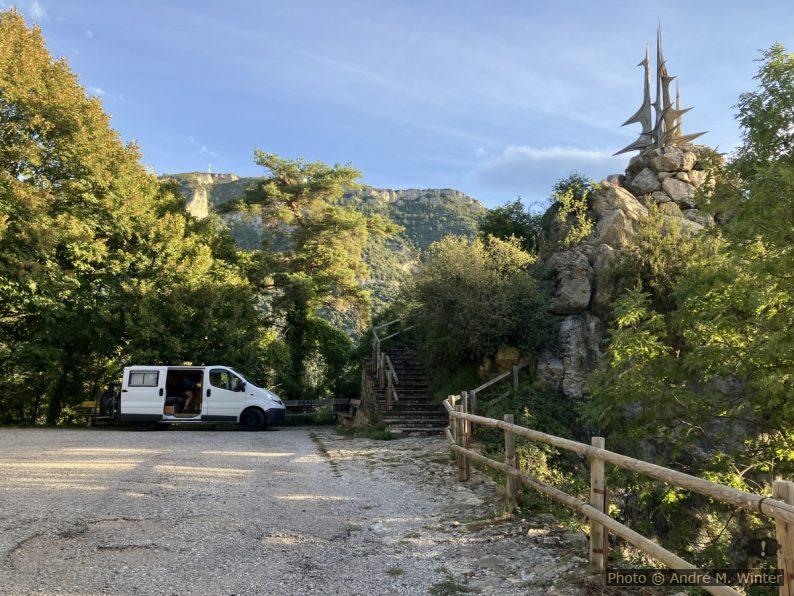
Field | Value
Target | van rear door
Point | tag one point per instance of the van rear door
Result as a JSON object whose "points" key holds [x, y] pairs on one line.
{"points": [[143, 392]]}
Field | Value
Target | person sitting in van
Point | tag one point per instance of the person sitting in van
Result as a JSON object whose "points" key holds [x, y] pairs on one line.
{"points": [[187, 391]]}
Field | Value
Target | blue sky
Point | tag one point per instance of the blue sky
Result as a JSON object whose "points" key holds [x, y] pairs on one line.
{"points": [[497, 99]]}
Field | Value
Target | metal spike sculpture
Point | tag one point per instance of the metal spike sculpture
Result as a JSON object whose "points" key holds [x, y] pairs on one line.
{"points": [[667, 126]]}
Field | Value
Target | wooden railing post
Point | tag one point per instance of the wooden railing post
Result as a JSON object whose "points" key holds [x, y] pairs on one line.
{"points": [[510, 459], [382, 370], [466, 433], [460, 439], [515, 376], [473, 401], [598, 536], [783, 490], [389, 389]]}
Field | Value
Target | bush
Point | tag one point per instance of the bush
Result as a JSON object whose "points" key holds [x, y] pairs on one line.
{"points": [[471, 296]]}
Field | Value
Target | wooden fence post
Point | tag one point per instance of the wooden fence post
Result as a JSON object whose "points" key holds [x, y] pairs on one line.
{"points": [[511, 484], [389, 390], [382, 370], [783, 490], [460, 439], [473, 401], [598, 534], [515, 376], [466, 434]]}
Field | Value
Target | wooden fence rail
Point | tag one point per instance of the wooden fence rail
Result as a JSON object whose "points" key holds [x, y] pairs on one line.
{"points": [[780, 506], [513, 372]]}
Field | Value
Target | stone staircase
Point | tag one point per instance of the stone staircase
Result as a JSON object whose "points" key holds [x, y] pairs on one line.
{"points": [[413, 413]]}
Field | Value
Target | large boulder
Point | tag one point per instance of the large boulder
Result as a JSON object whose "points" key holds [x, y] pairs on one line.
{"points": [[579, 342], [602, 292], [686, 225], [618, 214], [613, 197], [695, 215], [645, 182], [678, 190], [674, 159], [572, 274]]}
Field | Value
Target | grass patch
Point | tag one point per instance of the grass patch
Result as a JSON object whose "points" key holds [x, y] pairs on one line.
{"points": [[366, 432], [449, 586], [325, 453], [395, 571]]}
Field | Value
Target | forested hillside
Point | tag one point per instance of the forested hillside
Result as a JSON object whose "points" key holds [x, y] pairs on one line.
{"points": [[424, 216]]}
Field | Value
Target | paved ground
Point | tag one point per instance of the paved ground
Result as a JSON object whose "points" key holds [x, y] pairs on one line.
{"points": [[289, 511]]}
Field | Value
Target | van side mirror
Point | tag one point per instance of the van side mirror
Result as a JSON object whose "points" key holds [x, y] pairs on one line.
{"points": [[241, 386]]}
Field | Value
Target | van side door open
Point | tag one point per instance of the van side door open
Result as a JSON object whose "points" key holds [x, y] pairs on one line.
{"points": [[224, 395]]}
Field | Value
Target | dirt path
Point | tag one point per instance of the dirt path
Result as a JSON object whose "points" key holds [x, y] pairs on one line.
{"points": [[291, 511]]}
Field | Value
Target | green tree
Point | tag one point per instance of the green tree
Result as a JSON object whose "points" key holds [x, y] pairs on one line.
{"points": [[567, 222], [699, 362], [512, 220], [320, 269], [99, 264], [470, 296]]}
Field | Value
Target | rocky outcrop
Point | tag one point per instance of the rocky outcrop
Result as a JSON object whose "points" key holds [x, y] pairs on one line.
{"points": [[667, 178], [572, 275]]}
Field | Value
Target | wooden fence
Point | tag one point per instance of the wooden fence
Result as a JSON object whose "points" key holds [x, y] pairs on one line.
{"points": [[473, 394], [780, 505], [382, 367]]}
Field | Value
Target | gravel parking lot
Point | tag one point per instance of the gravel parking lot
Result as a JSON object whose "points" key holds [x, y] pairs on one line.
{"points": [[288, 511]]}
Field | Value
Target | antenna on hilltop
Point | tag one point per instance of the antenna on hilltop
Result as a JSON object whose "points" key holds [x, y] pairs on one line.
{"points": [[209, 167]]}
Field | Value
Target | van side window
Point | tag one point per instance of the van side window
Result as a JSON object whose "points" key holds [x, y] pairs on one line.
{"points": [[144, 378], [220, 379]]}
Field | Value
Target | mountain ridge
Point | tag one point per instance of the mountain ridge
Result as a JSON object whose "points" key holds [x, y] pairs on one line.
{"points": [[426, 216]]}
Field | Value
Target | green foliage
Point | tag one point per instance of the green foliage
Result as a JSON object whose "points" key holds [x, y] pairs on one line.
{"points": [[656, 258], [320, 268], [470, 296], [99, 265], [512, 220], [567, 223], [445, 381], [698, 369], [539, 406], [367, 432]]}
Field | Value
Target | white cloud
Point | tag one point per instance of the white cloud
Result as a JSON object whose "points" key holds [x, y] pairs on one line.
{"points": [[96, 91], [532, 171], [89, 34], [207, 151]]}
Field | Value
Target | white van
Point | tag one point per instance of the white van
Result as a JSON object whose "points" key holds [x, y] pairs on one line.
{"points": [[168, 394]]}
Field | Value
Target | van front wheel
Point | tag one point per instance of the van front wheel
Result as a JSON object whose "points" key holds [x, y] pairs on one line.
{"points": [[253, 419]]}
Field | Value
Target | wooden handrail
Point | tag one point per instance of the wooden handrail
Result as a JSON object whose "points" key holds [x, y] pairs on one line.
{"points": [[659, 553], [393, 372], [382, 325], [500, 377], [726, 494]]}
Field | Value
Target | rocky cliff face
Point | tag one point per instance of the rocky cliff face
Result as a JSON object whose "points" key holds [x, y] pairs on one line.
{"points": [[666, 177]]}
